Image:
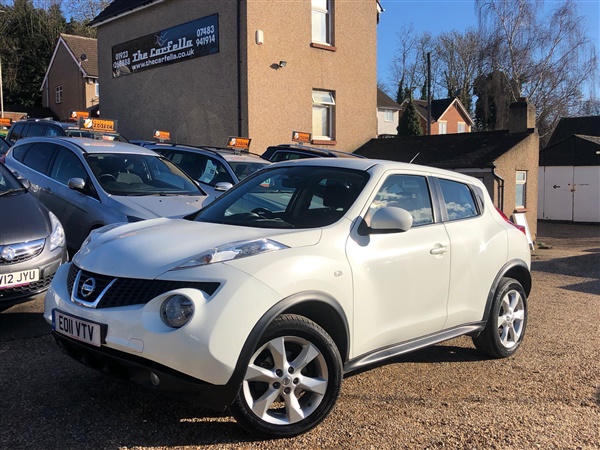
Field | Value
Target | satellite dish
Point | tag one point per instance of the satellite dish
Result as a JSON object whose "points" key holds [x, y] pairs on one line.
{"points": [[83, 57]]}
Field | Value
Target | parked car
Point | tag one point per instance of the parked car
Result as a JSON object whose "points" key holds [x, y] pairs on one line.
{"points": [[216, 169], [303, 272], [49, 127], [4, 146], [89, 183], [32, 242], [286, 152]]}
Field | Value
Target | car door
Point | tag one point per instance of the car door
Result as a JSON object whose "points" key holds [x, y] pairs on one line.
{"points": [[78, 210], [400, 278]]}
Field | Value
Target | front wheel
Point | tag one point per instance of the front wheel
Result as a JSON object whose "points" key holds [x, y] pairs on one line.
{"points": [[292, 381], [506, 324]]}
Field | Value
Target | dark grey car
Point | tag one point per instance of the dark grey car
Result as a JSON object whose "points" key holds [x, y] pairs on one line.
{"points": [[32, 242]]}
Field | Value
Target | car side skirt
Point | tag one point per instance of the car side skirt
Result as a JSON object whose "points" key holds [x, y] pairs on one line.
{"points": [[380, 355]]}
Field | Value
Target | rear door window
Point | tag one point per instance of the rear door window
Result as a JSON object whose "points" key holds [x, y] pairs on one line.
{"points": [[36, 129], [458, 200], [39, 156], [66, 166]]}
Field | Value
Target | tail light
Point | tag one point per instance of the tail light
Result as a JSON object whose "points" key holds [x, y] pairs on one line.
{"points": [[520, 227]]}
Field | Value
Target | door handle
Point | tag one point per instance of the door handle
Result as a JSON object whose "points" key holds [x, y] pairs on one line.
{"points": [[46, 190], [439, 250]]}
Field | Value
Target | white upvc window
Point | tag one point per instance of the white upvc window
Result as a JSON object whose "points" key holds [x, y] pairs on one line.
{"points": [[96, 89], [462, 127], [521, 189], [321, 22], [59, 93], [388, 115], [322, 115], [442, 128]]}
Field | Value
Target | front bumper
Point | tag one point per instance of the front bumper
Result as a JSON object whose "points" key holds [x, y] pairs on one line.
{"points": [[148, 374]]}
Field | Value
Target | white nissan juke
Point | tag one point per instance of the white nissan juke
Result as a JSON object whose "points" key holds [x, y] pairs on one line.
{"points": [[305, 271]]}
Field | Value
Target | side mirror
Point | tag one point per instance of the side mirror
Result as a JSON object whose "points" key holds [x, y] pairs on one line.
{"points": [[25, 183], [391, 219], [223, 186], [76, 184]]}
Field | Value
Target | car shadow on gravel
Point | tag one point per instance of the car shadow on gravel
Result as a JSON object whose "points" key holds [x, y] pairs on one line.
{"points": [[22, 325], [580, 266]]}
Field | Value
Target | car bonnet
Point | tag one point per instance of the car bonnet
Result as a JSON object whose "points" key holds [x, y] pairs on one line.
{"points": [[153, 206]]}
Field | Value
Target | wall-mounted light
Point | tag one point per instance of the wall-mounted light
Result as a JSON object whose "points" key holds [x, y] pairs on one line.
{"points": [[282, 64]]}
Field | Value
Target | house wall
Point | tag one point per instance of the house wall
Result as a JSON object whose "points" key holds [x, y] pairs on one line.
{"points": [[65, 72], [280, 99], [384, 127], [524, 156], [195, 100], [451, 117]]}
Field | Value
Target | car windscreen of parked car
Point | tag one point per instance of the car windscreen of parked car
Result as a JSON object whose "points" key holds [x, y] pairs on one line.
{"points": [[303, 197], [131, 174]]}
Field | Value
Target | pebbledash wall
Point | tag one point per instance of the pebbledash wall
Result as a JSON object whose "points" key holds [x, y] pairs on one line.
{"points": [[207, 99]]}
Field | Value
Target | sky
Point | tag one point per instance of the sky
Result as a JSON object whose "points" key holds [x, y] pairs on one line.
{"points": [[438, 16]]}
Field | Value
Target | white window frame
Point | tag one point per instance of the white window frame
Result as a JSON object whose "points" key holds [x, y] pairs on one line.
{"points": [[323, 103], [442, 127], [521, 180], [462, 127], [317, 15], [97, 89], [388, 115], [59, 94]]}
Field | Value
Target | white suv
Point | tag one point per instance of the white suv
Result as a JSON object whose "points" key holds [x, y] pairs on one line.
{"points": [[303, 272]]}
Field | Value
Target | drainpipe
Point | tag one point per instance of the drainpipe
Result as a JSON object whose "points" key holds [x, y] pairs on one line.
{"points": [[500, 181], [239, 66]]}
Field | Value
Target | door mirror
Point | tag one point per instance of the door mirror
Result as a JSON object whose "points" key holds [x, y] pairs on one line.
{"points": [[76, 184], [223, 186], [391, 219]]}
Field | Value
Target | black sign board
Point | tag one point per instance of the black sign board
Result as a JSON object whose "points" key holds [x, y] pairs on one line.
{"points": [[186, 41]]}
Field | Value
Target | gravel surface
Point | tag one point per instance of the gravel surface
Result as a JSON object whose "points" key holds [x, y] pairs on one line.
{"points": [[547, 396]]}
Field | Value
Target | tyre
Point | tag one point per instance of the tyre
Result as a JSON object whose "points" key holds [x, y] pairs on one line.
{"points": [[292, 381], [507, 321]]}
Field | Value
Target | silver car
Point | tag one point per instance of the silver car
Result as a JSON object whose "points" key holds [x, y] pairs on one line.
{"points": [[90, 183]]}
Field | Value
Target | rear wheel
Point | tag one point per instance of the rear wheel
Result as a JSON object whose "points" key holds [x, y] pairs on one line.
{"points": [[292, 381], [507, 321]]}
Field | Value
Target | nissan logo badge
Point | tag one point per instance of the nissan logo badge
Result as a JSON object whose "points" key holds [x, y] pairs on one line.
{"points": [[87, 288]]}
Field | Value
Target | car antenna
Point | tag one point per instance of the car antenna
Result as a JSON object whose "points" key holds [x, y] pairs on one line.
{"points": [[415, 157]]}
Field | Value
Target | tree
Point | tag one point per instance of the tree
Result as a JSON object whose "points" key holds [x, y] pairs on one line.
{"points": [[548, 60], [410, 124]]}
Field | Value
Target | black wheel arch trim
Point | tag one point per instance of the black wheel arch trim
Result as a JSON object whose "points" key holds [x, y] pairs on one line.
{"points": [[318, 302], [517, 269]]}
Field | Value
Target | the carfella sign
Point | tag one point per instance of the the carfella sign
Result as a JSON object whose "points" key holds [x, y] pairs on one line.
{"points": [[186, 41]]}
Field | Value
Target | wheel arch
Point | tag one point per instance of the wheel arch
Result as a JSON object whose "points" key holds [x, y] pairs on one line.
{"points": [[516, 269], [318, 307]]}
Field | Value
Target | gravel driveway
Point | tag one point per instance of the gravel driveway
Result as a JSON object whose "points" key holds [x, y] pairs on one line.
{"points": [[447, 396]]}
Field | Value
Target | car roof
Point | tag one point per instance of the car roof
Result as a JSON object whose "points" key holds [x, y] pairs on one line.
{"points": [[311, 150], [92, 145]]}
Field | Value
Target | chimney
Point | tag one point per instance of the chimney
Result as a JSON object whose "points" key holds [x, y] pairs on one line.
{"points": [[521, 116]]}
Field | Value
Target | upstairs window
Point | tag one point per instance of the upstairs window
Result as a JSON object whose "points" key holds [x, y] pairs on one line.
{"points": [[59, 93], [322, 115], [462, 127], [321, 22], [442, 128], [388, 115]]}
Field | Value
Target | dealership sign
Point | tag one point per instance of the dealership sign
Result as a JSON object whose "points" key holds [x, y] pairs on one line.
{"points": [[186, 41]]}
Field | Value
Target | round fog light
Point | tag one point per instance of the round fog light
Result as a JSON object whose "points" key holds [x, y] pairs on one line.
{"points": [[176, 311]]}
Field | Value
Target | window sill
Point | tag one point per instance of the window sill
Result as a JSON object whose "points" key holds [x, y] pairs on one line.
{"points": [[323, 142], [329, 48], [520, 210]]}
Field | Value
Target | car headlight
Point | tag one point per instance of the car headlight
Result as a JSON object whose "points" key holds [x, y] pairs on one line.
{"points": [[235, 250], [176, 311], [57, 237]]}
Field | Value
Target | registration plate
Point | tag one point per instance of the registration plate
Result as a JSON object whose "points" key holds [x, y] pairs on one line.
{"points": [[22, 278], [83, 330]]}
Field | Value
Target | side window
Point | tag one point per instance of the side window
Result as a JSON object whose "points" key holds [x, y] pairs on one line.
{"points": [[409, 192], [51, 131], [458, 199], [36, 129], [17, 132], [39, 156], [66, 166], [18, 151]]}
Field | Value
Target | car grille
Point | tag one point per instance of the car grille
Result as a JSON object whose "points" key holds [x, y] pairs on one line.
{"points": [[30, 289], [110, 292], [21, 251]]}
